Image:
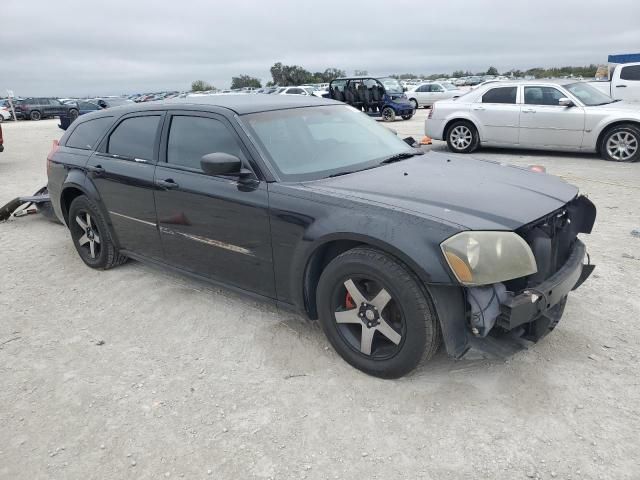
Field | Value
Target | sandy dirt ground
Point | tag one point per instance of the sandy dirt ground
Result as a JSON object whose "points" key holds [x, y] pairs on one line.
{"points": [[141, 373]]}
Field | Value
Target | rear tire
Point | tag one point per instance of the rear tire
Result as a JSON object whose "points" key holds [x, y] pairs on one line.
{"points": [[91, 235], [462, 137], [35, 115], [388, 327], [73, 114], [415, 103], [621, 144]]}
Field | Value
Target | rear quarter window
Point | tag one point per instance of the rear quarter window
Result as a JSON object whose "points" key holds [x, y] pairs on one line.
{"points": [[86, 135]]}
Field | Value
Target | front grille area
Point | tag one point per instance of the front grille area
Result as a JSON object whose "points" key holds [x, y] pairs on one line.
{"points": [[551, 239]]}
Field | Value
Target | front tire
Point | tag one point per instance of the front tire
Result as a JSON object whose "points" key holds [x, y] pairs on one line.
{"points": [[388, 114], [621, 144], [91, 235], [376, 314], [35, 115], [462, 137]]}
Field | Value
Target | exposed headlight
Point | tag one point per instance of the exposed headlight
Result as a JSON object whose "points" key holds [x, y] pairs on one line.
{"points": [[482, 258]]}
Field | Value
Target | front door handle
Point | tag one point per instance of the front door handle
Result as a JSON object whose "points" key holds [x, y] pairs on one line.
{"points": [[167, 184], [621, 86], [480, 109], [529, 110], [97, 170]]}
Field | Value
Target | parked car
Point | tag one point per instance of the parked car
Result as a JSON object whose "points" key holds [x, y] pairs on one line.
{"points": [[623, 84], [558, 115], [296, 91], [323, 210], [36, 108], [85, 107], [109, 102], [424, 95], [5, 113], [377, 97]]}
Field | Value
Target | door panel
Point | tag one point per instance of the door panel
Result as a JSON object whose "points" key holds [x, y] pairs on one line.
{"points": [[544, 123], [498, 116], [125, 182], [499, 122], [216, 226], [627, 85]]}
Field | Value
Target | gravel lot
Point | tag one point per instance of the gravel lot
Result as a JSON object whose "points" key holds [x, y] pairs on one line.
{"points": [[140, 373]]}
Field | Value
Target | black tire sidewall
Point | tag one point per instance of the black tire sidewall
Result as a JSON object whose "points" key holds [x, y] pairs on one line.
{"points": [[391, 117], [73, 114], [474, 140], [417, 331], [622, 128], [38, 115], [80, 204]]}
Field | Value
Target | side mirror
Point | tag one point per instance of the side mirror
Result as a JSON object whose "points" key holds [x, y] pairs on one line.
{"points": [[565, 102], [220, 163]]}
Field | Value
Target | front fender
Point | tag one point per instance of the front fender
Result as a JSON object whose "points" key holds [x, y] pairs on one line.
{"points": [[298, 238]]}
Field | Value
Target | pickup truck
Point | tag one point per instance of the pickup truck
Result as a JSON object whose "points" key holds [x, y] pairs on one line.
{"points": [[623, 83]]}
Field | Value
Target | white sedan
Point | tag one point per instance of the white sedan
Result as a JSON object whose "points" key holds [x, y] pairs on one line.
{"points": [[560, 115], [5, 114], [296, 91], [425, 94]]}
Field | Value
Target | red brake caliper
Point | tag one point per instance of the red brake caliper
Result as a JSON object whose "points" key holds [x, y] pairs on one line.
{"points": [[348, 301]]}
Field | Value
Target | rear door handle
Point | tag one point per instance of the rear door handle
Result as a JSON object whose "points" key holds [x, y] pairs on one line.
{"points": [[621, 86], [479, 108], [529, 110], [98, 170], [167, 184]]}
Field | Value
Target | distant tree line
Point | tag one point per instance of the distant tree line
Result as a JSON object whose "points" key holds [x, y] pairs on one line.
{"points": [[538, 72], [286, 75]]}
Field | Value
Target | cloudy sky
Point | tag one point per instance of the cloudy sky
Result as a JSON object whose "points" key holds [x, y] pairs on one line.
{"points": [[85, 47]]}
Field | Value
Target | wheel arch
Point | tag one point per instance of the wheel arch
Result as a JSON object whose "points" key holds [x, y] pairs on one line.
{"points": [[328, 248], [609, 126], [450, 123]]}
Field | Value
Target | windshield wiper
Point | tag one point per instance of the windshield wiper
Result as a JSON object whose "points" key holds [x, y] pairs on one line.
{"points": [[401, 156]]}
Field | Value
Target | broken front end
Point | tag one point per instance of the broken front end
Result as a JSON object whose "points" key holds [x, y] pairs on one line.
{"points": [[538, 264]]}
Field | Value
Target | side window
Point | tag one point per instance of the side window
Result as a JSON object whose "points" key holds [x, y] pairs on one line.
{"points": [[190, 138], [53, 101], [542, 96], [424, 88], [631, 72], [87, 134], [294, 91], [135, 137], [501, 95], [437, 88]]}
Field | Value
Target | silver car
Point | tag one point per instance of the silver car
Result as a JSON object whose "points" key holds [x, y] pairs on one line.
{"points": [[426, 94], [546, 115]]}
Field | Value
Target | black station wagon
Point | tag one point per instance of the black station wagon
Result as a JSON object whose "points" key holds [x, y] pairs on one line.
{"points": [[316, 206]]}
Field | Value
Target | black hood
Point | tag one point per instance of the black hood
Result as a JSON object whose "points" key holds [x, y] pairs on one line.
{"points": [[472, 193]]}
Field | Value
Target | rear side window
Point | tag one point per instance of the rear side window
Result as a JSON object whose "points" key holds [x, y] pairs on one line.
{"points": [[190, 138], [501, 95], [86, 135], [135, 137], [630, 73]]}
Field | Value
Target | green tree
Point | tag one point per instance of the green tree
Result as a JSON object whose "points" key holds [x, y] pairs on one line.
{"points": [[492, 71], [201, 86], [244, 81]]}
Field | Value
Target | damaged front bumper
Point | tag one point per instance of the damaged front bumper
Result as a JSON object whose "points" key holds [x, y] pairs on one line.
{"points": [[498, 323]]}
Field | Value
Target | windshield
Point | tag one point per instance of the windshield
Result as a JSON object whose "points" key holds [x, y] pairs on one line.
{"points": [[448, 86], [315, 142], [391, 85], [588, 95]]}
